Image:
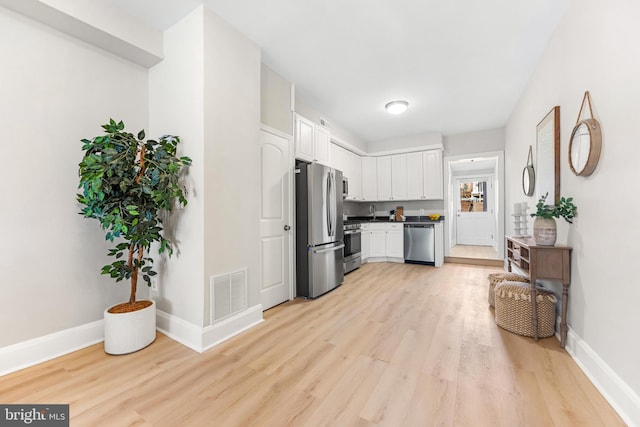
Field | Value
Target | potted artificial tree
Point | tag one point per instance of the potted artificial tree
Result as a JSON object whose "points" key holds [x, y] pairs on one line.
{"points": [[127, 184], [544, 226]]}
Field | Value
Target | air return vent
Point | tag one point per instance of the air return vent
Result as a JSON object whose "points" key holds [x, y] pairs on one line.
{"points": [[228, 294]]}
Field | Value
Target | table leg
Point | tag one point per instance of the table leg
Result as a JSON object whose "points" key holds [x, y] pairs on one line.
{"points": [[563, 316]]}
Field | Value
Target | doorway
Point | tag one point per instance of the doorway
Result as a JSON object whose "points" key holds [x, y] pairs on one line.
{"points": [[474, 200], [474, 217]]}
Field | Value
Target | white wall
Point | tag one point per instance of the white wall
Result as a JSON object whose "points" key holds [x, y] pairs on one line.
{"points": [[595, 48], [232, 155], [275, 101], [474, 142], [176, 100], [55, 91]]}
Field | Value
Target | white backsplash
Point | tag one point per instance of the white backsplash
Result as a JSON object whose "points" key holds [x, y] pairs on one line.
{"points": [[411, 208]]}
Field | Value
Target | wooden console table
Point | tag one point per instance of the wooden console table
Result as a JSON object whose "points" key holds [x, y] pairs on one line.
{"points": [[542, 262]]}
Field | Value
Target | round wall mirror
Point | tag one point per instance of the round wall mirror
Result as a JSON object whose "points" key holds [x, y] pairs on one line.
{"points": [[528, 180], [584, 147]]}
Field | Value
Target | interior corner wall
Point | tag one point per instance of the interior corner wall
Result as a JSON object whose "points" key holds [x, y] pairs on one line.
{"points": [[474, 142], [232, 155], [56, 90], [594, 49], [176, 93], [275, 101]]}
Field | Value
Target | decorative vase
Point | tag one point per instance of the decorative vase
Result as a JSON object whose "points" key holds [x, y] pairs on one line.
{"points": [[129, 332], [544, 231]]}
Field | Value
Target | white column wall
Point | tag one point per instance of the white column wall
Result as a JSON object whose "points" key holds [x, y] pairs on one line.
{"points": [[232, 155], [176, 102]]}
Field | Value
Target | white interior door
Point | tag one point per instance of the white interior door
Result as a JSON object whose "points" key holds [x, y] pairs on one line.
{"points": [[275, 218], [474, 217]]}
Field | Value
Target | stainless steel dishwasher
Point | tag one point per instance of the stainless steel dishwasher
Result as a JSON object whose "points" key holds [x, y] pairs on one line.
{"points": [[419, 244]]}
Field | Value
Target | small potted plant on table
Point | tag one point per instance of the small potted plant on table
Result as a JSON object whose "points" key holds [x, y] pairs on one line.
{"points": [[544, 226]]}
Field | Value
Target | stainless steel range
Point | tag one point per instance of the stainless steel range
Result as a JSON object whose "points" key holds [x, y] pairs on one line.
{"points": [[352, 245]]}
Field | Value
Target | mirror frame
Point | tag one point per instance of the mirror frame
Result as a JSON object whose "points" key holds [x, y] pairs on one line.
{"points": [[595, 146], [548, 156], [531, 175]]}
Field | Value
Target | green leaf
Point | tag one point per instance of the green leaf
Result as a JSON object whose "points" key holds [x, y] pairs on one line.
{"points": [[141, 135]]}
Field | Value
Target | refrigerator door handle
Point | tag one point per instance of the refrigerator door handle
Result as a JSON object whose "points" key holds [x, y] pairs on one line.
{"points": [[331, 249], [328, 204]]}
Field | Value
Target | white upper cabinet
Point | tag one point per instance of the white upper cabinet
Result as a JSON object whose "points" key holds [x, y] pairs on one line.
{"points": [[339, 159], [312, 141], [432, 166], [369, 179], [322, 143], [415, 177], [399, 177], [304, 138], [384, 178], [355, 179]]}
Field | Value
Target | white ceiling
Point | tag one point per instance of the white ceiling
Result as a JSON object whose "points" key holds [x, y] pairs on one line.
{"points": [[461, 64]]}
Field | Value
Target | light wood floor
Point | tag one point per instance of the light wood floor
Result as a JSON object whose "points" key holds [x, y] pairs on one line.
{"points": [[471, 251], [396, 345]]}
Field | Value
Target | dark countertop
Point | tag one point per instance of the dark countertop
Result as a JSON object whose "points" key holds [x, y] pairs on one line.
{"points": [[409, 220]]}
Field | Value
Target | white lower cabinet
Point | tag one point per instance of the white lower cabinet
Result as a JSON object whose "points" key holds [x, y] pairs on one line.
{"points": [[365, 242], [385, 242], [395, 241], [378, 244]]}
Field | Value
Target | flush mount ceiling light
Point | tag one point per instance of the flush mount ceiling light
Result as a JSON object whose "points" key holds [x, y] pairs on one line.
{"points": [[396, 107]]}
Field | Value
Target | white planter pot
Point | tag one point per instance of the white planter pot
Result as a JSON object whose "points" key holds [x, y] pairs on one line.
{"points": [[544, 231], [128, 332]]}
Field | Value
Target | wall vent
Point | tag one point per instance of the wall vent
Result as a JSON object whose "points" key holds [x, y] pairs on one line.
{"points": [[228, 294], [324, 123]]}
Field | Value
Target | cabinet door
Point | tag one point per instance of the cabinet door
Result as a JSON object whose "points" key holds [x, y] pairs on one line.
{"points": [[355, 179], [369, 179], [322, 142], [384, 178], [395, 241], [415, 179], [335, 157], [399, 177], [432, 162], [365, 244], [378, 244], [304, 139]]}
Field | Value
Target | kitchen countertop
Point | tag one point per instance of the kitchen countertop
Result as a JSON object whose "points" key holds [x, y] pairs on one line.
{"points": [[424, 219]]}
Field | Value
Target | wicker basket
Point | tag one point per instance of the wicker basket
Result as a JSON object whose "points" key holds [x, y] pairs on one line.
{"points": [[513, 309], [496, 278]]}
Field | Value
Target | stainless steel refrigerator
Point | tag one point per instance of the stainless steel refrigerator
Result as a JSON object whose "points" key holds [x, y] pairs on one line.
{"points": [[319, 232]]}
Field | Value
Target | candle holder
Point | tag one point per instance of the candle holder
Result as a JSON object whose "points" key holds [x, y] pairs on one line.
{"points": [[520, 219]]}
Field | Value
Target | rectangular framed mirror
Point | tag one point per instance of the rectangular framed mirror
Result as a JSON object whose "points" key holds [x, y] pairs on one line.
{"points": [[548, 156]]}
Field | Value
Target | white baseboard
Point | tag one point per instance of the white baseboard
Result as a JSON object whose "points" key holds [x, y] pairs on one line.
{"points": [[624, 400], [202, 339], [225, 329], [28, 353], [179, 330]]}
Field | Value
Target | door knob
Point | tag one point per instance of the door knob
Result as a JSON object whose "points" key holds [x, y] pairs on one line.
{"points": [[286, 228]]}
